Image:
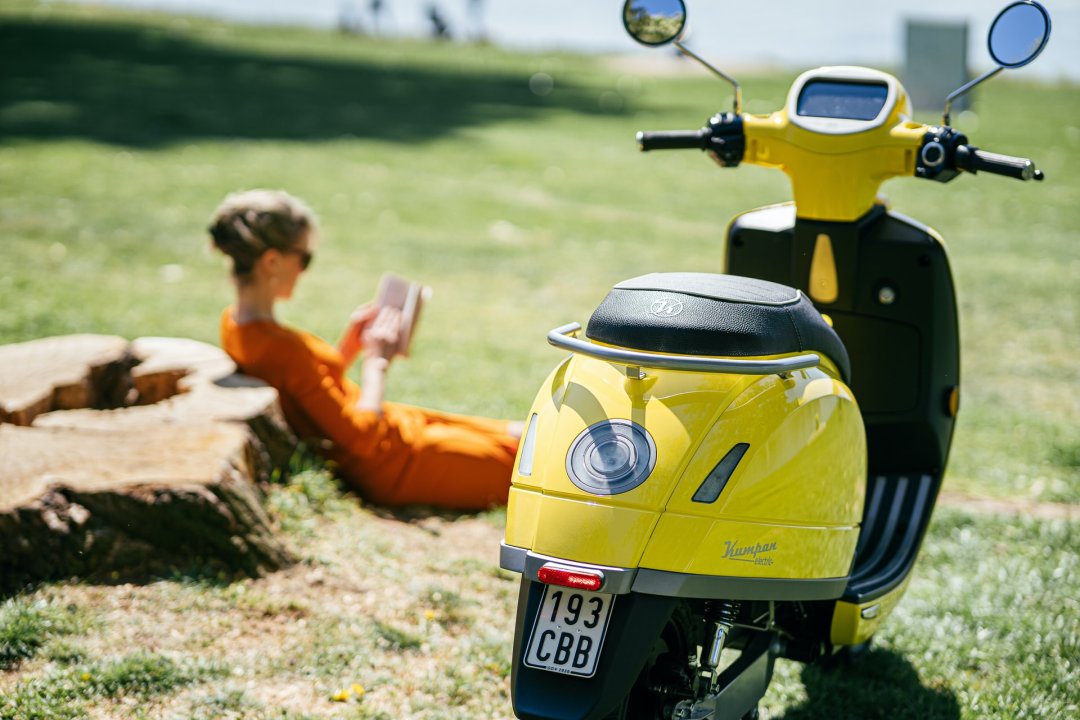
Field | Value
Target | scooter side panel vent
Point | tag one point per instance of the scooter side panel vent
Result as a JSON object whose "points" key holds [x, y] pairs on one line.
{"points": [[716, 481]]}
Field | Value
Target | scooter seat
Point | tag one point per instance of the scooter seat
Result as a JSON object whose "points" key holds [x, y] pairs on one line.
{"points": [[714, 315]]}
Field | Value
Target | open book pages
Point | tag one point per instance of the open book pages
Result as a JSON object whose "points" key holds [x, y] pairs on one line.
{"points": [[408, 297]]}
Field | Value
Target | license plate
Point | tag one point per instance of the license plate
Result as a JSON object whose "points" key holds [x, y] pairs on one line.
{"points": [[569, 631]]}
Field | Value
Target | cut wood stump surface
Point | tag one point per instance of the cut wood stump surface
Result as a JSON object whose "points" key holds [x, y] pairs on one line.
{"points": [[60, 373], [118, 456]]}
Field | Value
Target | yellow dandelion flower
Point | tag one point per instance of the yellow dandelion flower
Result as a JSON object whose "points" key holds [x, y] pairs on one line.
{"points": [[85, 676], [358, 689], [341, 695], [429, 614]]}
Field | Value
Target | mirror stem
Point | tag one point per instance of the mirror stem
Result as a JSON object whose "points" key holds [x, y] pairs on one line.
{"points": [[738, 89], [963, 90]]}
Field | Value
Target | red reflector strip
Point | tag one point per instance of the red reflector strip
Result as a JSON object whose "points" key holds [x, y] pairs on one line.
{"points": [[577, 579]]}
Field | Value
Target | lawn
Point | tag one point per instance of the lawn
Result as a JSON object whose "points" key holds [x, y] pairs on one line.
{"points": [[391, 619], [119, 134]]}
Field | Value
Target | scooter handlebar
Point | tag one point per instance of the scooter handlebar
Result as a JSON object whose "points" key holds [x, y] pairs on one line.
{"points": [[973, 160], [674, 140]]}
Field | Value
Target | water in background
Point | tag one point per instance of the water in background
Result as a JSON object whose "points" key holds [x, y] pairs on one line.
{"points": [[786, 33]]}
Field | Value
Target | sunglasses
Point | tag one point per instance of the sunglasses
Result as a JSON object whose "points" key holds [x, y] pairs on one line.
{"points": [[305, 256]]}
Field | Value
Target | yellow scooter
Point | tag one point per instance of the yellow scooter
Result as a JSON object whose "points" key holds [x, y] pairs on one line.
{"points": [[727, 469]]}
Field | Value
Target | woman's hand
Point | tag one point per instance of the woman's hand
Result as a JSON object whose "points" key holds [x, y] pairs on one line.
{"points": [[380, 337], [352, 340]]}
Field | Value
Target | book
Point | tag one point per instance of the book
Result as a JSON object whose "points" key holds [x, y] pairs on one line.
{"points": [[408, 297]]}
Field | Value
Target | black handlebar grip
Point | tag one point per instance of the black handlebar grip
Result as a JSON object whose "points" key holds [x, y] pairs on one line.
{"points": [[973, 160], [674, 140]]}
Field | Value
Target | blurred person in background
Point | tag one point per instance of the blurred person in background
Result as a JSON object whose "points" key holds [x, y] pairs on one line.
{"points": [[392, 454]]}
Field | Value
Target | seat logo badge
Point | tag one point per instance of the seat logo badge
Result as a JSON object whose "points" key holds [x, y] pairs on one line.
{"points": [[666, 308]]}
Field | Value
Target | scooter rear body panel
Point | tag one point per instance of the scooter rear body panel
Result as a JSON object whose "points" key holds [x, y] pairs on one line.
{"points": [[789, 509]]}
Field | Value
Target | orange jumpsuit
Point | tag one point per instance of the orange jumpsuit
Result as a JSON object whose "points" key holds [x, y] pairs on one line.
{"points": [[406, 455]]}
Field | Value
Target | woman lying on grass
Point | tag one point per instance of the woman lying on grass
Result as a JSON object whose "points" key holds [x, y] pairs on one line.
{"points": [[392, 454]]}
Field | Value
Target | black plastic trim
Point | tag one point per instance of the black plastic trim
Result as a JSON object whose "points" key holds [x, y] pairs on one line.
{"points": [[905, 357], [621, 581], [686, 585], [742, 684], [894, 523], [616, 580], [636, 621], [945, 168], [727, 139], [717, 480]]}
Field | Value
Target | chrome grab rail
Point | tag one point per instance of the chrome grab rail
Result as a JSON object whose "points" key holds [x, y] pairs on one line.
{"points": [[560, 337]]}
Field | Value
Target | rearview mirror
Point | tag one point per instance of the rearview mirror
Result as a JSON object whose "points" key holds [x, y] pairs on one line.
{"points": [[654, 22], [1019, 34], [659, 22]]}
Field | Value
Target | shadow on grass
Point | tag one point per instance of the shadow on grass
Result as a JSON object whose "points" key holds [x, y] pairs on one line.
{"points": [[880, 684], [201, 573], [144, 86], [428, 516]]}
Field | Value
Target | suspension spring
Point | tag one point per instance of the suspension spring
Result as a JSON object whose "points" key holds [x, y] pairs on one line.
{"points": [[726, 612]]}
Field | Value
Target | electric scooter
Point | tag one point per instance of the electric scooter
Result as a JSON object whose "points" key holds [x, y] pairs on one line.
{"points": [[732, 468]]}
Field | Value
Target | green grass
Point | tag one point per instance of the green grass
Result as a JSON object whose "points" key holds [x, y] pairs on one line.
{"points": [[988, 628], [119, 133], [66, 693], [27, 627]]}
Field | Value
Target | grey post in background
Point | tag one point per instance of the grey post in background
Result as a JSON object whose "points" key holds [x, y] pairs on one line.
{"points": [[935, 63]]}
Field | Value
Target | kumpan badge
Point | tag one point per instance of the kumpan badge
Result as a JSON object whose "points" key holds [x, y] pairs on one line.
{"points": [[666, 308]]}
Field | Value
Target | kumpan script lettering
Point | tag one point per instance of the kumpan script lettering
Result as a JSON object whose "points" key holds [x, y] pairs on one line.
{"points": [[748, 553]]}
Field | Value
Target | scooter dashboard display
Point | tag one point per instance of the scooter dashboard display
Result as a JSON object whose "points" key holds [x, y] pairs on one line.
{"points": [[842, 100], [845, 100]]}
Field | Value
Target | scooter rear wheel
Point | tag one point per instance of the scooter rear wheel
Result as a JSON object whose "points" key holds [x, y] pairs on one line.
{"points": [[666, 677]]}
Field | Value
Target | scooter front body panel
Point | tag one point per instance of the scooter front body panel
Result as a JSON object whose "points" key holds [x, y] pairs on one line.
{"points": [[895, 309], [835, 176], [855, 623]]}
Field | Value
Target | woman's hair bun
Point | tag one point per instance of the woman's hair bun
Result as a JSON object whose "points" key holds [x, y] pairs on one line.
{"points": [[248, 223]]}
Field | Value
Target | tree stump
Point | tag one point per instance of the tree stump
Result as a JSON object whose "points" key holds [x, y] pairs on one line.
{"points": [[60, 373], [163, 472]]}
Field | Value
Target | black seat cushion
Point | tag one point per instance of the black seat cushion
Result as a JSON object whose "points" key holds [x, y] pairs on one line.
{"points": [[713, 315]]}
